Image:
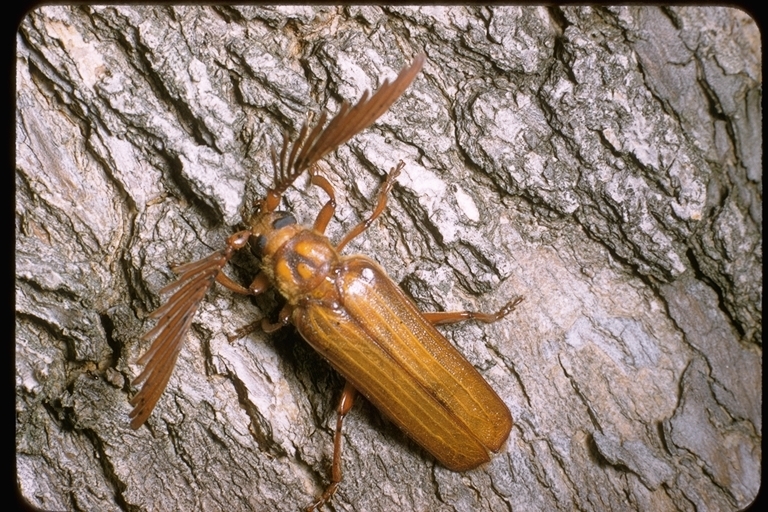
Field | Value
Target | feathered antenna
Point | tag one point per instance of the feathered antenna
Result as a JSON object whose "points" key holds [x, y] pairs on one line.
{"points": [[173, 321], [310, 147]]}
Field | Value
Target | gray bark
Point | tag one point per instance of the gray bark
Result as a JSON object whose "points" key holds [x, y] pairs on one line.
{"points": [[603, 163]]}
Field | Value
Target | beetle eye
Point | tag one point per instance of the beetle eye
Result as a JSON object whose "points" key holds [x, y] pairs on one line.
{"points": [[282, 220]]}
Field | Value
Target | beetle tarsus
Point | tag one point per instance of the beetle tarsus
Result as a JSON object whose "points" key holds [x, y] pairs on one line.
{"points": [[325, 498]]}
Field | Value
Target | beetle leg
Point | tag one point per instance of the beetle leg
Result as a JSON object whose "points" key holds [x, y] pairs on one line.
{"points": [[346, 402], [244, 331], [452, 317], [229, 284], [284, 318], [325, 215], [260, 284], [383, 193]]}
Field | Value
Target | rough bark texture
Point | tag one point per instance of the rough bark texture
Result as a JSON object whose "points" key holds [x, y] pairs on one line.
{"points": [[603, 163]]}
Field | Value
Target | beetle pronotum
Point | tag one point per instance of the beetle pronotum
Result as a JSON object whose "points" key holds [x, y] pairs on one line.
{"points": [[346, 308]]}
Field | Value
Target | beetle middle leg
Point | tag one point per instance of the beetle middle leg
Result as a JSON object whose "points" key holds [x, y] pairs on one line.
{"points": [[268, 327], [452, 317]]}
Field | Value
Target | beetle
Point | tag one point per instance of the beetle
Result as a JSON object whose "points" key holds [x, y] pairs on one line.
{"points": [[346, 308]]}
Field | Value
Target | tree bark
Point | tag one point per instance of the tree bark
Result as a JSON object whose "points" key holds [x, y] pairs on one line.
{"points": [[603, 163]]}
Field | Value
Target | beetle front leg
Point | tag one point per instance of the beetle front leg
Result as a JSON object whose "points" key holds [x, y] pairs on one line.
{"points": [[225, 281], [326, 214], [345, 404], [382, 203], [234, 243], [452, 317], [259, 285]]}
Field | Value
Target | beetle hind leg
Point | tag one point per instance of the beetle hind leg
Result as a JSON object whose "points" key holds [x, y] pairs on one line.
{"points": [[346, 402]]}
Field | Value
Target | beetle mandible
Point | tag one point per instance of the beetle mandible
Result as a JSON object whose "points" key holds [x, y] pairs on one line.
{"points": [[346, 308]]}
